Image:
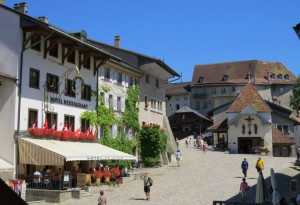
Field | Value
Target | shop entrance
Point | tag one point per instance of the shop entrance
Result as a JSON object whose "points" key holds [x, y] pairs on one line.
{"points": [[246, 144]]}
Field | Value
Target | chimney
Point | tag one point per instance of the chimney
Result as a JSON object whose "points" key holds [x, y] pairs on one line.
{"points": [[21, 7], [117, 41], [2, 2], [43, 19]]}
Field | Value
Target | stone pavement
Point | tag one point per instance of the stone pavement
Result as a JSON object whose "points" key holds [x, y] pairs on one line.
{"points": [[201, 179]]}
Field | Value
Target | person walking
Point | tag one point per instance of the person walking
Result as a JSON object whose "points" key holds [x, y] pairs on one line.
{"points": [[204, 148], [186, 143], [259, 165], [244, 167], [178, 155], [244, 187], [102, 199], [146, 178]]}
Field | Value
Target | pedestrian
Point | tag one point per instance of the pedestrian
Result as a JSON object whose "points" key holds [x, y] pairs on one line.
{"points": [[177, 143], [102, 199], [186, 142], [244, 187], [244, 167], [146, 178], [190, 141], [178, 155], [259, 165]]}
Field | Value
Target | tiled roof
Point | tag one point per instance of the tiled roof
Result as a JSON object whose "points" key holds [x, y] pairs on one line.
{"points": [[236, 73], [249, 97], [295, 118], [219, 126], [177, 88], [280, 138], [186, 109]]}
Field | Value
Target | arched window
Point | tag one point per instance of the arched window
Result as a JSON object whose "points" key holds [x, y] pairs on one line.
{"points": [[287, 77], [279, 76], [225, 78], [272, 76]]}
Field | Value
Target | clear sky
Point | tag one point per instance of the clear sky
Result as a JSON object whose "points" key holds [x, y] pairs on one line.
{"points": [[185, 33]]}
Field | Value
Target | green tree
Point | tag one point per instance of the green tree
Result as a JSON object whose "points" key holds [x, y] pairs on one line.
{"points": [[295, 98]]}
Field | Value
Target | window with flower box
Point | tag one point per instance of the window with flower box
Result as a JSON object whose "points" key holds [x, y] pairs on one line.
{"points": [[34, 78], [85, 124], [69, 122], [52, 120], [32, 118], [52, 83]]}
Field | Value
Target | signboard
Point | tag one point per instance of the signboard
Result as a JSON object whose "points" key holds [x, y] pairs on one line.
{"points": [[81, 180]]}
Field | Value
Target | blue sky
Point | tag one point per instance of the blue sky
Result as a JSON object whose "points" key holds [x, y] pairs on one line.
{"points": [[185, 33]]}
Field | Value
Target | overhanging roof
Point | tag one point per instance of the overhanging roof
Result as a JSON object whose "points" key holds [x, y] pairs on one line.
{"points": [[54, 152], [6, 166]]}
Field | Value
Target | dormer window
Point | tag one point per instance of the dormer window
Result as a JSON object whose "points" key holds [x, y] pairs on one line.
{"points": [[279, 76], [272, 76], [249, 76], [225, 78], [201, 80], [287, 77]]}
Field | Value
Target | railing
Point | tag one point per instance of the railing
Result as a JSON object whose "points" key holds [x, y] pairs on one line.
{"points": [[233, 203]]}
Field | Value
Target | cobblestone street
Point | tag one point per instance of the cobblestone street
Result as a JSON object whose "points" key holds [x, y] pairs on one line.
{"points": [[201, 179]]}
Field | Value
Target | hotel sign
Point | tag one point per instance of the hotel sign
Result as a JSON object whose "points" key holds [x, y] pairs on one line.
{"points": [[68, 102]]}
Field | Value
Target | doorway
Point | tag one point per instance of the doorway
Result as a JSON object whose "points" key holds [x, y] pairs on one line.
{"points": [[245, 144]]}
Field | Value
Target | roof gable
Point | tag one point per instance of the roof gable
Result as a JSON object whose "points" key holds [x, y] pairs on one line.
{"points": [[280, 138], [249, 97]]}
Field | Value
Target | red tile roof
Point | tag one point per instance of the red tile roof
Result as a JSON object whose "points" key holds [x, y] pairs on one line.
{"points": [[280, 138], [249, 97], [219, 126], [177, 88], [237, 73]]}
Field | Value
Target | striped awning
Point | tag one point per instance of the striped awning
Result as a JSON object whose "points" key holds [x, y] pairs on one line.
{"points": [[6, 166], [54, 152]]}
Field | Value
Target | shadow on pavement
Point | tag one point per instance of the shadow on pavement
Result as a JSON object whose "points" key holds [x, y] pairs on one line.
{"points": [[283, 182], [143, 199]]}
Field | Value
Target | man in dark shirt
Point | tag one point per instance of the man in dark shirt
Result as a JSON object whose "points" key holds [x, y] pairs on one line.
{"points": [[244, 167]]}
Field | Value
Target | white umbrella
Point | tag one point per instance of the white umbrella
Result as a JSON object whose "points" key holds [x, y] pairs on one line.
{"points": [[275, 196]]}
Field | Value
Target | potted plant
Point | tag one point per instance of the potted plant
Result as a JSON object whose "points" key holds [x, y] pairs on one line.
{"points": [[107, 174]]}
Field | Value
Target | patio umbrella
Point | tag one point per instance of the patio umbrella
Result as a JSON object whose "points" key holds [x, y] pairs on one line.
{"points": [[275, 194], [261, 190]]}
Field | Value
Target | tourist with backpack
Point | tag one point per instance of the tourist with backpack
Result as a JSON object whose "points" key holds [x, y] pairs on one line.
{"points": [[147, 183], [244, 167]]}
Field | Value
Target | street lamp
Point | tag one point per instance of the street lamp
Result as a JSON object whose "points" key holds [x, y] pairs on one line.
{"points": [[297, 30]]}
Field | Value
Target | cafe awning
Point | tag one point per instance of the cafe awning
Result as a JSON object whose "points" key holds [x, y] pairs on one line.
{"points": [[5, 166], [54, 152]]}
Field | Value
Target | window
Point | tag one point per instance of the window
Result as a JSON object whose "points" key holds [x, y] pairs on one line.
{"points": [[233, 89], [153, 103], [119, 81], [177, 106], [54, 49], [52, 83], [107, 73], [185, 97], [34, 78], [119, 108], [34, 39], [204, 104], [111, 102], [87, 62], [213, 90], [86, 92], [279, 76], [177, 97], [249, 76], [130, 81], [223, 90], [200, 80], [85, 125], [225, 78], [272, 76], [70, 88], [69, 122], [147, 79], [283, 128], [32, 118], [157, 83], [287, 77], [71, 57], [281, 90], [52, 120]]}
